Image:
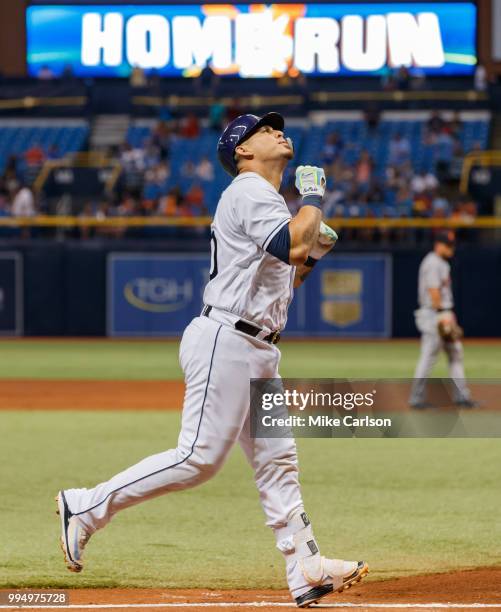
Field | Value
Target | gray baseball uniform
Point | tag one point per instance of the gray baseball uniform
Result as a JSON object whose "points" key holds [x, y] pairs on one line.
{"points": [[435, 272]]}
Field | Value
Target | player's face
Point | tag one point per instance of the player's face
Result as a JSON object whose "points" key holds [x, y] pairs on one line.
{"points": [[449, 251], [268, 144], [445, 251]]}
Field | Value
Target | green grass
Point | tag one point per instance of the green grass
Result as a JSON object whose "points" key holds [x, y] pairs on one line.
{"points": [[407, 506], [107, 360]]}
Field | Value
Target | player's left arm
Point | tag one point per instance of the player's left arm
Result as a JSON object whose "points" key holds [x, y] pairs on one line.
{"points": [[326, 240], [305, 239]]}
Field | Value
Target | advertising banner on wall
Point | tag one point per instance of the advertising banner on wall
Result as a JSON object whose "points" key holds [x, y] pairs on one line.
{"points": [[252, 40], [345, 296], [11, 294], [158, 295]]}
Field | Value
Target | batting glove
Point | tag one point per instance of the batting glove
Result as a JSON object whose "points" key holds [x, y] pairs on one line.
{"points": [[310, 181], [326, 240]]}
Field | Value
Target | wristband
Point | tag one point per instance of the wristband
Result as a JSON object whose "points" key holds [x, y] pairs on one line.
{"points": [[312, 200], [310, 262]]}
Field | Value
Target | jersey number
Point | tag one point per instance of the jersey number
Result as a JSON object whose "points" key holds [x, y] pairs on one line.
{"points": [[213, 255]]}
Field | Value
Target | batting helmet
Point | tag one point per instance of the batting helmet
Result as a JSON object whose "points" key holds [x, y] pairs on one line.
{"points": [[239, 130]]}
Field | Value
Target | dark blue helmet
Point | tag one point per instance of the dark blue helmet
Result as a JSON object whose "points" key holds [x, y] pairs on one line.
{"points": [[239, 130]]}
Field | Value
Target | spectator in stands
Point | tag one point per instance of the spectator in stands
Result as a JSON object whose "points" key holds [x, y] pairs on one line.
{"points": [[440, 206], [131, 159], [333, 149], [128, 207], [103, 210], [155, 180], [34, 156], [421, 204], [205, 169], [423, 181], [399, 150], [23, 203], [375, 193], [194, 201], [169, 204], [363, 170], [161, 138], [455, 125], [190, 126], [403, 202], [45, 73], [465, 209], [434, 125], [443, 149], [162, 172]]}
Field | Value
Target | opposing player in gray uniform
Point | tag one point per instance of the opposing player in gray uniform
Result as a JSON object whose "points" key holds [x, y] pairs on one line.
{"points": [[259, 253], [436, 313]]}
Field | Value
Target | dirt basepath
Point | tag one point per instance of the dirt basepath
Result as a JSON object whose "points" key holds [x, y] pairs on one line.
{"points": [[91, 394], [160, 395], [471, 588]]}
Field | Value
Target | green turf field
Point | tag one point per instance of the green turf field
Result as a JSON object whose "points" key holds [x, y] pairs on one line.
{"points": [[159, 360], [406, 506]]}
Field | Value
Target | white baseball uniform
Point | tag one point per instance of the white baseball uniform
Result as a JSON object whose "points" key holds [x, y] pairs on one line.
{"points": [[435, 272], [246, 283]]}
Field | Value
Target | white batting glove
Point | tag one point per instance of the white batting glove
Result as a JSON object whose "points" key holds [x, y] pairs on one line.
{"points": [[310, 181], [326, 240]]}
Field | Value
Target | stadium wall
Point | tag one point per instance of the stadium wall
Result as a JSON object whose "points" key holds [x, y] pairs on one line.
{"points": [[64, 287]]}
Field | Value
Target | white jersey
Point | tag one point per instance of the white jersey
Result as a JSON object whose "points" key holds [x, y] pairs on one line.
{"points": [[435, 272], [245, 279]]}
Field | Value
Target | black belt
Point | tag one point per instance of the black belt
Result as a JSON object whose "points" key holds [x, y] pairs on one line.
{"points": [[248, 328]]}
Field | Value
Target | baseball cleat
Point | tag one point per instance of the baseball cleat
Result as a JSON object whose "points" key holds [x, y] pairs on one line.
{"points": [[422, 406], [73, 536], [315, 594], [467, 403]]}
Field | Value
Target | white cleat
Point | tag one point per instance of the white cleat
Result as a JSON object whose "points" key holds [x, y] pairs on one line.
{"points": [[73, 536], [346, 574]]}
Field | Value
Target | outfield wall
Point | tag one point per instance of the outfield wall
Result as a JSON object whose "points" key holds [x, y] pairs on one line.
{"points": [[72, 289]]}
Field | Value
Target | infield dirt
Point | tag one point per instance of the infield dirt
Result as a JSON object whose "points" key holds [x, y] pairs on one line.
{"points": [[26, 394], [468, 587]]}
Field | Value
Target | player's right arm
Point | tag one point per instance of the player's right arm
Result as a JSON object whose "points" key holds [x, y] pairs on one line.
{"points": [[434, 293]]}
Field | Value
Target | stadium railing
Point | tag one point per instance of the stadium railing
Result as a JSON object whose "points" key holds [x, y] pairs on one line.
{"points": [[338, 222]]}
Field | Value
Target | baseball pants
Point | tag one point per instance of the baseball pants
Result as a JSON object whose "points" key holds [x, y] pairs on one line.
{"points": [[218, 363], [431, 345]]}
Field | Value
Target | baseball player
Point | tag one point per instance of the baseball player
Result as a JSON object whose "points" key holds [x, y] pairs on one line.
{"points": [[436, 321], [258, 254]]}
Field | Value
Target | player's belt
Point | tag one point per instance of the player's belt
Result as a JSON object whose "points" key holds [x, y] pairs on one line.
{"points": [[248, 328]]}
